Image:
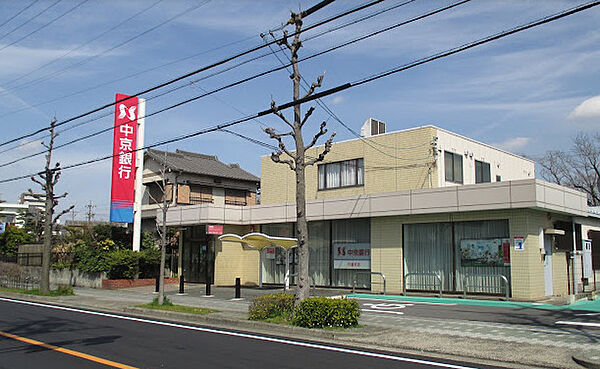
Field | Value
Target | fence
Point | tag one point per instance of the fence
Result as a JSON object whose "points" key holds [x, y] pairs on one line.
{"points": [[19, 277]]}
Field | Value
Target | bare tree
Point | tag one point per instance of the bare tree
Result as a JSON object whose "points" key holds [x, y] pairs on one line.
{"points": [[578, 168], [297, 159], [48, 180], [163, 204]]}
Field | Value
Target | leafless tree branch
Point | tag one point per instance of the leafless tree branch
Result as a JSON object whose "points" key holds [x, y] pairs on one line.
{"points": [[322, 131], [321, 156], [314, 86], [280, 114], [62, 213], [307, 115], [276, 157]]}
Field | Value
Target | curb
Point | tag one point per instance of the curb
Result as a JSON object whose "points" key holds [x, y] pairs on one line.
{"points": [[590, 362], [352, 338]]}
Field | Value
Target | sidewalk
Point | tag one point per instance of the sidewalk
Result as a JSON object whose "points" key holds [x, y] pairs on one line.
{"points": [[512, 346]]}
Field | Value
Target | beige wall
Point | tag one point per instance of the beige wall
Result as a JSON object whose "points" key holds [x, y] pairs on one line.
{"points": [[232, 260], [509, 166], [393, 161], [527, 266]]}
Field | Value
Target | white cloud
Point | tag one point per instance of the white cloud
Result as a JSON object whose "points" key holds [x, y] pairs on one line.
{"points": [[590, 108], [337, 100], [513, 144]]}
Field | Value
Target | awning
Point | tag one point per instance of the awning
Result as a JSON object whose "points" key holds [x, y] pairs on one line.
{"points": [[260, 240]]}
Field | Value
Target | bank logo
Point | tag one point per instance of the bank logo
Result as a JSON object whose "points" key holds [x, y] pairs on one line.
{"points": [[123, 112]]}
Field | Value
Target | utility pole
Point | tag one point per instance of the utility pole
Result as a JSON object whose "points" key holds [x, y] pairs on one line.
{"points": [[90, 212]]}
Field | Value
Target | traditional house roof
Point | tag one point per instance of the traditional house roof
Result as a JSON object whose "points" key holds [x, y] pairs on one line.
{"points": [[195, 163]]}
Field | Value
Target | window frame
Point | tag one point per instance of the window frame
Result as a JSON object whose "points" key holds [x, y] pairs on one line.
{"points": [[480, 177], [453, 156], [359, 174]]}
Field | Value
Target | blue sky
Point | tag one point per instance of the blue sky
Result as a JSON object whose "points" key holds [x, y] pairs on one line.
{"points": [[527, 93]]}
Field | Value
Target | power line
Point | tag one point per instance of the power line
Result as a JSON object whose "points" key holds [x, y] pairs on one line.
{"points": [[344, 86], [30, 19], [355, 21], [84, 44], [44, 25], [87, 60], [202, 69], [18, 13], [239, 82]]}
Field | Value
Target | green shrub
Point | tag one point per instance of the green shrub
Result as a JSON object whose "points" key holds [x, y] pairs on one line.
{"points": [[122, 264], [149, 263], [271, 306], [10, 240], [89, 258], [319, 312]]}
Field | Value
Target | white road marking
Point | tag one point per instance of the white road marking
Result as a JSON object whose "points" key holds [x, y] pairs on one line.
{"points": [[582, 324], [588, 314], [387, 306], [407, 302], [247, 335], [384, 311]]}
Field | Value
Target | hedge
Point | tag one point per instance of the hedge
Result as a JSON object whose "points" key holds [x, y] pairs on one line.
{"points": [[271, 306], [319, 312]]}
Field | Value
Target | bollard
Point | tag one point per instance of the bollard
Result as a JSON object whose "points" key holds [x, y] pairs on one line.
{"points": [[181, 288], [208, 289], [157, 286], [238, 293]]}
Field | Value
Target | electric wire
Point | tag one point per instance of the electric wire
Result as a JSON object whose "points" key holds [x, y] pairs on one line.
{"points": [[18, 13], [82, 45], [184, 76], [341, 87], [30, 19], [44, 25], [183, 59], [104, 52], [239, 82]]}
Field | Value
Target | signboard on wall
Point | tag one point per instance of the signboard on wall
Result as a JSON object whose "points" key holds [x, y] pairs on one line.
{"points": [[588, 271], [214, 229], [270, 252], [485, 252], [351, 256], [519, 243], [123, 161]]}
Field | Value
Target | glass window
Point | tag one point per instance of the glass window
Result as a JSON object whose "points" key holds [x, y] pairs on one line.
{"points": [[341, 174], [482, 172], [453, 167]]}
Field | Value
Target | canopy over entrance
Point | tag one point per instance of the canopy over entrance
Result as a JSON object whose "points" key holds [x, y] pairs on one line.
{"points": [[261, 241]]}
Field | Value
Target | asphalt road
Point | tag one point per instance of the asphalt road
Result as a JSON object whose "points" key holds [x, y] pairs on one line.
{"points": [[527, 316], [71, 338]]}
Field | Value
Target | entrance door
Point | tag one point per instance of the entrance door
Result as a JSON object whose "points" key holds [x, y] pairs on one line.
{"points": [[198, 257], [549, 287]]}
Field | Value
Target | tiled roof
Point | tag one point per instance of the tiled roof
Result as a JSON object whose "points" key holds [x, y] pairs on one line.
{"points": [[210, 165]]}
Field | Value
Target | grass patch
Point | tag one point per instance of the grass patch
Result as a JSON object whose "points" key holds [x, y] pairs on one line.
{"points": [[278, 320], [169, 306], [60, 291]]}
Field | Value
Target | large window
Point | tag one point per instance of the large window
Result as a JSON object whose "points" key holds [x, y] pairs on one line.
{"points": [[235, 197], [200, 194], [345, 173], [454, 167], [482, 172]]}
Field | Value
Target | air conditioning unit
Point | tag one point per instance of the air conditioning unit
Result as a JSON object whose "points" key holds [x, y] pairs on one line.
{"points": [[372, 127]]}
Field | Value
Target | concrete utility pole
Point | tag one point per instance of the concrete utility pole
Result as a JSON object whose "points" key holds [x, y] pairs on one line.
{"points": [[90, 212]]}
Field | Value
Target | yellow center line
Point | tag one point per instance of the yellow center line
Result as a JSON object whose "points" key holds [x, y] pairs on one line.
{"points": [[67, 351]]}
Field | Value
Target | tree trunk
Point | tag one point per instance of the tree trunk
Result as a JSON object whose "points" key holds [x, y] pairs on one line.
{"points": [[47, 248]]}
